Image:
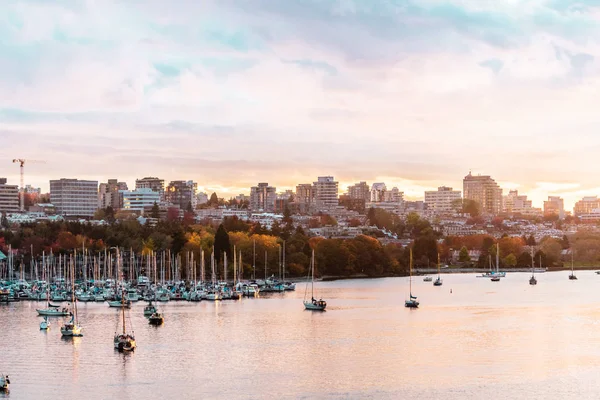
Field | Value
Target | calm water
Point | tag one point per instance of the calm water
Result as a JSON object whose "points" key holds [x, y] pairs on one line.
{"points": [[494, 340]]}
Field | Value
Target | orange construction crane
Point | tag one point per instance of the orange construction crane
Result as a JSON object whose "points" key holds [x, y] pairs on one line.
{"points": [[22, 163]]}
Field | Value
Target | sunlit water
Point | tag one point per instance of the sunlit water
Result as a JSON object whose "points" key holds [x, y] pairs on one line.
{"points": [[492, 340]]}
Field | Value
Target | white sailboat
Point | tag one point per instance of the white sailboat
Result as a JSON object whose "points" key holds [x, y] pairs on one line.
{"points": [[412, 300], [72, 328], [533, 280], [438, 281], [572, 276], [45, 324], [313, 304], [123, 342]]}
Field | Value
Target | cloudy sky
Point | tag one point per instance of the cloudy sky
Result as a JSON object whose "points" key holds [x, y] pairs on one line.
{"points": [[414, 93]]}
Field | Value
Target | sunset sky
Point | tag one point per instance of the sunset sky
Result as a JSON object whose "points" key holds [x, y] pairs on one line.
{"points": [[414, 93]]}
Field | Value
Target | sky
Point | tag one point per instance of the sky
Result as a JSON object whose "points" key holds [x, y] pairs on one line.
{"points": [[413, 93]]}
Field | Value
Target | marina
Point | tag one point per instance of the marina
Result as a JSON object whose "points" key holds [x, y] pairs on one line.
{"points": [[374, 347]]}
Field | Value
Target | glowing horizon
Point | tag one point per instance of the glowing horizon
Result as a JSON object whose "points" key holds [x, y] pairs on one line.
{"points": [[228, 94]]}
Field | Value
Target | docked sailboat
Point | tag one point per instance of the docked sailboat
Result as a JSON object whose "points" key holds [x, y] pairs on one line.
{"points": [[72, 328], [412, 300], [313, 304], [438, 280]]}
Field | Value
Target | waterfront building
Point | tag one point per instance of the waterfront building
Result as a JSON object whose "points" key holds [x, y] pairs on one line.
{"points": [[182, 194], [156, 184], [326, 193], [443, 200], [262, 197], [73, 197], [140, 199], [485, 191], [586, 205], [108, 194], [9, 197], [555, 205], [305, 197]]}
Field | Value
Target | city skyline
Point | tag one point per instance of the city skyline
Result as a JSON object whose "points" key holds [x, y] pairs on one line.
{"points": [[231, 94]]}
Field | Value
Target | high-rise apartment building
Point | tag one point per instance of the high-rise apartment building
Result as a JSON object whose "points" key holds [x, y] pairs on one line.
{"points": [[555, 205], [378, 190], [156, 184], [360, 191], [443, 200], [182, 194], [263, 197], [73, 197], [586, 205], [326, 192], [485, 191], [305, 197], [140, 199], [9, 197], [108, 194]]}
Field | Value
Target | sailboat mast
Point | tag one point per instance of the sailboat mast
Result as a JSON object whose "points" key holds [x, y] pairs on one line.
{"points": [[497, 257], [312, 281], [410, 273]]}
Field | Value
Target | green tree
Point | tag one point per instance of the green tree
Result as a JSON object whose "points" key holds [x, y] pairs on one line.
{"points": [[155, 212], [4, 221], [463, 256], [109, 215], [510, 260], [222, 244], [214, 200]]}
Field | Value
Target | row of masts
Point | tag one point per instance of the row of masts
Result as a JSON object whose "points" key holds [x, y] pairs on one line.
{"points": [[157, 266]]}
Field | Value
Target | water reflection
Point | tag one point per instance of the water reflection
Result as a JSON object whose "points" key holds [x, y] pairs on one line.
{"points": [[481, 341]]}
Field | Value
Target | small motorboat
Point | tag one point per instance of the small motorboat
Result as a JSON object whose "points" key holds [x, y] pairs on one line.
{"points": [[156, 319], [427, 279], [495, 279], [438, 282], [45, 324]]}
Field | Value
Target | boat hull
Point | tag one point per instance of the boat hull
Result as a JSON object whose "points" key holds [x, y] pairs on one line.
{"points": [[118, 304], [124, 343], [411, 304], [309, 305], [74, 331], [52, 313]]}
